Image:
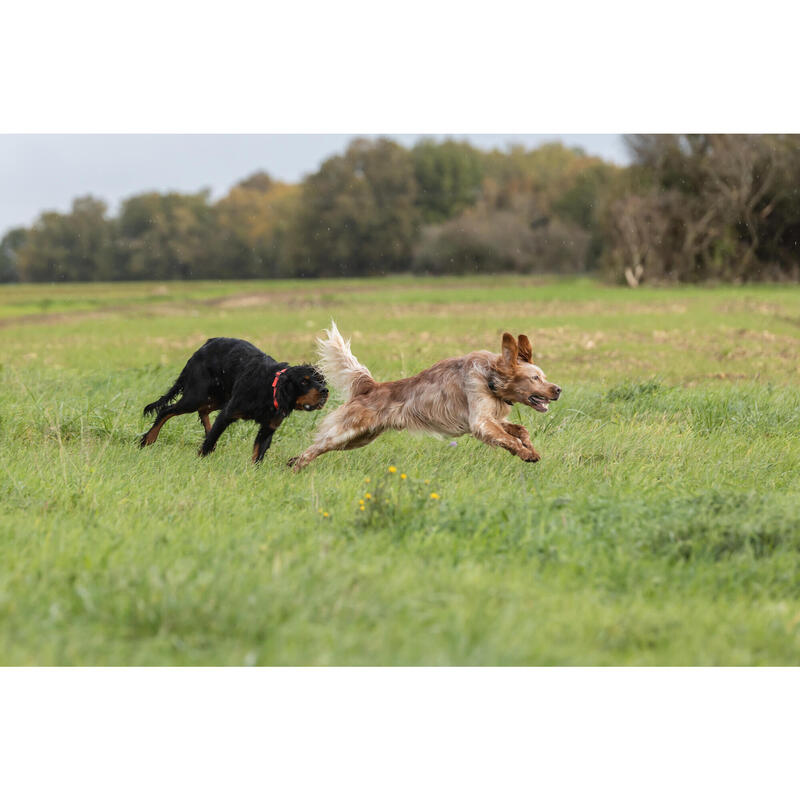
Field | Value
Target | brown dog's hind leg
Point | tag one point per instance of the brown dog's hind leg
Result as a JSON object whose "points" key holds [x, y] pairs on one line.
{"points": [[349, 441], [334, 440]]}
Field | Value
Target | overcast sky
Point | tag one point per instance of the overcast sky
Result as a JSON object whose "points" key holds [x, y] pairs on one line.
{"points": [[45, 172]]}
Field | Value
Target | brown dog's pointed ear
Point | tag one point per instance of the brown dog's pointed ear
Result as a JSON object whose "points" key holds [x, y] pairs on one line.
{"points": [[509, 349], [525, 351]]}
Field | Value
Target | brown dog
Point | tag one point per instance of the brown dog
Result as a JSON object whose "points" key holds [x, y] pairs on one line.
{"points": [[470, 394]]}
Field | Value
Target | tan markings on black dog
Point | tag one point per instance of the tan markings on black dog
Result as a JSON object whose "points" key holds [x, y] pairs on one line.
{"points": [[203, 413], [152, 434], [310, 401]]}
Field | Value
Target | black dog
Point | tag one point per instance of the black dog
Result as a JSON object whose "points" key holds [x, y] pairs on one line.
{"points": [[235, 377]]}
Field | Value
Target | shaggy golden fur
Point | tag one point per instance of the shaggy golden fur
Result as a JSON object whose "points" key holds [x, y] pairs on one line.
{"points": [[469, 394]]}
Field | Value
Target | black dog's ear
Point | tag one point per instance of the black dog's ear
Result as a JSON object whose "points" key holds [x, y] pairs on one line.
{"points": [[284, 393]]}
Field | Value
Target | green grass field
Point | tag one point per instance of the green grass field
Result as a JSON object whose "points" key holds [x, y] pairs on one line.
{"points": [[662, 525]]}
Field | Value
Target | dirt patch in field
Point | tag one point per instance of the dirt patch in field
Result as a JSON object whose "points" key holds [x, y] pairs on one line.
{"points": [[52, 319], [774, 310], [242, 300], [325, 299], [531, 308], [58, 317], [338, 293], [311, 296]]}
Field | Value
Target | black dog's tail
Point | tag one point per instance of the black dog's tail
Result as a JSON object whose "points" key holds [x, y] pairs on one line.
{"points": [[176, 389]]}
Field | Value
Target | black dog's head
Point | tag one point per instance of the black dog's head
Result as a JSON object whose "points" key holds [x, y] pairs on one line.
{"points": [[304, 388]]}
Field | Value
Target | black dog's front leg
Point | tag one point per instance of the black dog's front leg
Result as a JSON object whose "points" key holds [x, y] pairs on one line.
{"points": [[262, 442], [222, 421]]}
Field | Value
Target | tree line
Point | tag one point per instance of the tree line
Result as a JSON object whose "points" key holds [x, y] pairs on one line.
{"points": [[687, 208]]}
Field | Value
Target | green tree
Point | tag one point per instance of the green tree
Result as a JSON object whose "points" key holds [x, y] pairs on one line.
{"points": [[78, 246], [357, 214], [449, 177], [167, 237], [10, 245]]}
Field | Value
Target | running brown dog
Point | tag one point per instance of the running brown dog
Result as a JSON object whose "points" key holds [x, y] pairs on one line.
{"points": [[469, 394]]}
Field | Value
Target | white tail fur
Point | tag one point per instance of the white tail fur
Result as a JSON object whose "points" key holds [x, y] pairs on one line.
{"points": [[339, 366]]}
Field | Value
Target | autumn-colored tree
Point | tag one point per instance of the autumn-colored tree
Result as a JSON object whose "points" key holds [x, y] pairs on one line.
{"points": [[551, 173], [253, 222]]}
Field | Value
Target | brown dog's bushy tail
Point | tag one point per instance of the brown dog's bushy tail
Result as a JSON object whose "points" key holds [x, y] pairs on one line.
{"points": [[176, 389], [340, 367]]}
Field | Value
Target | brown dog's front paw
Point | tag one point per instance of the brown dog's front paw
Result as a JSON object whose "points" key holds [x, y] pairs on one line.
{"points": [[292, 461], [529, 455]]}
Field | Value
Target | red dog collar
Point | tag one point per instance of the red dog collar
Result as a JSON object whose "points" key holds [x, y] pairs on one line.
{"points": [[275, 385]]}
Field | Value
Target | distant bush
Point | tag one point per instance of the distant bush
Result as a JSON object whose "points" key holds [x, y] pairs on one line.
{"points": [[501, 240]]}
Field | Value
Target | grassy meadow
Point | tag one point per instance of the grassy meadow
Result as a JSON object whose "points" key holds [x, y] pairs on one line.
{"points": [[662, 525]]}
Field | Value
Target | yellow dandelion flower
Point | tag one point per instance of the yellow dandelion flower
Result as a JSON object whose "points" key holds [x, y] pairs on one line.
{"points": [[366, 480], [434, 496], [403, 476], [392, 469], [427, 482], [368, 496], [320, 510], [325, 514]]}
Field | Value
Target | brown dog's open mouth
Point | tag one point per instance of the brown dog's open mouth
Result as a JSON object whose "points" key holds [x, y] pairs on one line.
{"points": [[540, 404]]}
